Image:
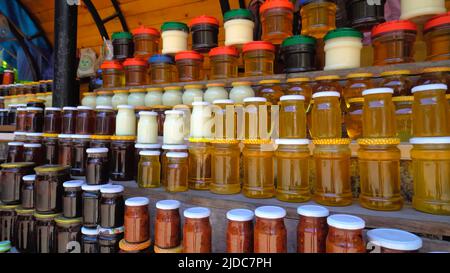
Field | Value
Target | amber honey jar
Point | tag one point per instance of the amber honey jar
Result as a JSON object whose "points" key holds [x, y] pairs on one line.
{"points": [[431, 75], [353, 118], [111, 206], [122, 158], [137, 222], [135, 72], [271, 90], [52, 120], [276, 20], [379, 113], [97, 166], [436, 34], [69, 120], [10, 180], [167, 224], [398, 80], [224, 62], [200, 153], [403, 116], [49, 187], [112, 74], [292, 117], [259, 58], [299, 86], [149, 169], [270, 234], [197, 230], [312, 229], [345, 234], [356, 84], [146, 41], [318, 17], [176, 169], [240, 231], [72, 199], [225, 167], [189, 65], [85, 120], [79, 156], [326, 115]]}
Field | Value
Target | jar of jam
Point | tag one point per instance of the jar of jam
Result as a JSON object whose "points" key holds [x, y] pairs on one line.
{"points": [[192, 93], [21, 119], [223, 62], [146, 41], [379, 113], [33, 152], [27, 191], [89, 99], [109, 238], [326, 115], [123, 45], [292, 117], [167, 225], [345, 234], [15, 152], [79, 155], [120, 97], [271, 90], [7, 221], [356, 84], [197, 230], [103, 98], [24, 240], [436, 34], [205, 32], [176, 170], [363, 16], [393, 42], [189, 65], [89, 240], [238, 24], [149, 169], [276, 20], [85, 120], [105, 120], [240, 231], [312, 229], [299, 53], [8, 76], [52, 120], [135, 72], [397, 80], [258, 161], [431, 75], [68, 234], [72, 198], [270, 234], [97, 166], [137, 223], [259, 58], [10, 181], [387, 240], [175, 37], [45, 232], [111, 206], [91, 205], [65, 144], [49, 188], [122, 159], [69, 120], [162, 69], [34, 120]]}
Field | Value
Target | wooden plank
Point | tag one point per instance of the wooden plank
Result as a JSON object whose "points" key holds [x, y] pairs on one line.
{"points": [[7, 128]]}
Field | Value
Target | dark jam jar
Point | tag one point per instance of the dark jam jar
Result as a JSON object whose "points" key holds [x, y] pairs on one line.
{"points": [[312, 229], [36, 103], [15, 152], [50, 147], [135, 72], [91, 205], [27, 191], [85, 121], [240, 231], [35, 138], [97, 166], [34, 120], [7, 222], [111, 206], [122, 158], [137, 220], [167, 224], [79, 156], [34, 152], [10, 179], [69, 117], [68, 234], [364, 16], [45, 229], [123, 45], [101, 141], [24, 240], [270, 231], [65, 144], [197, 230], [49, 187], [105, 120], [89, 240], [205, 32], [299, 53], [52, 120], [12, 114], [72, 199], [20, 119], [4, 120], [109, 238]]}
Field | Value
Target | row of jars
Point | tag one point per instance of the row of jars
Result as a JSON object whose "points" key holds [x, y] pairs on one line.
{"points": [[18, 100], [43, 86]]}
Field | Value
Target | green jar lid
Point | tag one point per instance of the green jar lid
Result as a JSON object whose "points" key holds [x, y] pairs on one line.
{"points": [[174, 26], [343, 32], [1, 69], [5, 246], [237, 14], [299, 39], [122, 35]]}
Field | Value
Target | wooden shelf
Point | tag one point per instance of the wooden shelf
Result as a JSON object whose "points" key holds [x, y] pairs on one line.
{"points": [[7, 128]]}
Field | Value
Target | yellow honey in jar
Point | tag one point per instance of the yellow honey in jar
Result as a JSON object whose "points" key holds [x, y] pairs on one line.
{"points": [[258, 165], [257, 118], [378, 113], [326, 118], [200, 153], [225, 167], [225, 119], [292, 117], [318, 17], [353, 118], [403, 116], [356, 84], [300, 86]]}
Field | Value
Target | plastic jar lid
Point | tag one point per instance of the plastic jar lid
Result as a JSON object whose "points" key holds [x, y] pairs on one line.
{"points": [[258, 45], [147, 146], [276, 4], [64, 136], [343, 32], [359, 75], [291, 141], [124, 106], [344, 221], [200, 103], [225, 101], [270, 212], [150, 153], [237, 14], [123, 138], [188, 54], [204, 19], [69, 108], [160, 58], [427, 87], [174, 112], [148, 113], [193, 86], [34, 134], [235, 84], [134, 62], [35, 109], [84, 108], [121, 35], [292, 97], [111, 65], [436, 69], [326, 94], [112, 189], [97, 150], [298, 40], [73, 184], [86, 187], [20, 133], [30, 177], [255, 99], [16, 143], [51, 109], [89, 94], [146, 30], [174, 147], [373, 91], [394, 239], [240, 215], [174, 26], [103, 107], [32, 145], [177, 155], [438, 20], [168, 204], [154, 89], [90, 231], [170, 88], [430, 140], [224, 50], [81, 136], [395, 73], [313, 211], [327, 78], [197, 213], [395, 25], [270, 82]]}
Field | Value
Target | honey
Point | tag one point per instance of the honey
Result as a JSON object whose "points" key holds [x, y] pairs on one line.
{"points": [[271, 90], [403, 116], [200, 154], [225, 167], [397, 80], [353, 118], [318, 17], [300, 86], [257, 118], [292, 117], [176, 172], [356, 84], [258, 171], [378, 113], [326, 115]]}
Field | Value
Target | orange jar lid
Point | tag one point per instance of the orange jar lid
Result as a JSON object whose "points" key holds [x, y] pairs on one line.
{"points": [[111, 65], [215, 84], [146, 30], [436, 69], [101, 137], [438, 20], [188, 54], [224, 50], [393, 26], [101, 93], [121, 91], [359, 75], [395, 73], [327, 78], [258, 45], [134, 62], [292, 80], [126, 138], [270, 82], [271, 4], [204, 19]]}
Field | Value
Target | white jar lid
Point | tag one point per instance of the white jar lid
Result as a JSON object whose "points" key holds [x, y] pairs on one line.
{"points": [[90, 231], [32, 145], [168, 204], [64, 136], [200, 103], [15, 143], [430, 140], [197, 213], [174, 112], [255, 99], [18, 109], [240, 215], [286, 141], [97, 150], [147, 146], [124, 106], [292, 97], [345, 221], [137, 201], [326, 94], [174, 147], [103, 107], [373, 91], [34, 109], [394, 239], [86, 187], [52, 109], [112, 189], [34, 134], [82, 107], [150, 153], [427, 87], [270, 212], [20, 133], [69, 108], [313, 211], [73, 184], [223, 101], [148, 113], [30, 177], [81, 136], [177, 155]]}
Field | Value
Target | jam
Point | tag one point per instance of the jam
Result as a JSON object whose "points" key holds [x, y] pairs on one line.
{"points": [[45, 232], [15, 152], [197, 230], [52, 120], [85, 121], [167, 224], [72, 199], [345, 234], [49, 187], [270, 232], [65, 150], [240, 231], [68, 234], [111, 206], [312, 229], [91, 205], [10, 180], [27, 191], [97, 166], [50, 147], [24, 240], [33, 152], [137, 222], [34, 120]]}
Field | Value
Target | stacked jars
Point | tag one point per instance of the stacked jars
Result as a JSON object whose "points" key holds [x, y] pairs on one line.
{"points": [[276, 20], [189, 65], [168, 227], [259, 58], [112, 74], [137, 226], [174, 37], [224, 62], [205, 31], [436, 33], [238, 24], [162, 69], [318, 17], [146, 42]]}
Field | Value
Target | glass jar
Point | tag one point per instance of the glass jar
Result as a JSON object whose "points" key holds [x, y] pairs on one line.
{"points": [[105, 120], [52, 120], [149, 169], [356, 84], [27, 191], [4, 117], [68, 232], [120, 97], [431, 75], [192, 93], [7, 221], [111, 206], [85, 120], [420, 11], [129, 248], [8, 76], [34, 120], [258, 164], [397, 80], [332, 163], [258, 58], [109, 238], [257, 118], [197, 230], [403, 116], [378, 113], [123, 46], [299, 54], [238, 24], [167, 224], [69, 120], [327, 83], [91, 205], [49, 188], [72, 199], [300, 86], [270, 234], [215, 91], [15, 152], [89, 99], [34, 138], [45, 232], [200, 154], [136, 97], [353, 118], [125, 121], [394, 240], [292, 158], [430, 166], [166, 148], [343, 42], [363, 16], [189, 65], [241, 91], [12, 107], [65, 144], [345, 234], [147, 131], [122, 159], [103, 98], [146, 42], [175, 37], [137, 222], [225, 170], [138, 147], [97, 166], [436, 34], [153, 96], [271, 90], [20, 122], [10, 179], [205, 32], [33, 152], [176, 170], [48, 99], [79, 156], [201, 121], [162, 69], [239, 235], [24, 240], [318, 17], [174, 127], [225, 120], [312, 229], [276, 20], [292, 117], [326, 115], [172, 96], [393, 42], [223, 62], [89, 240], [135, 72]]}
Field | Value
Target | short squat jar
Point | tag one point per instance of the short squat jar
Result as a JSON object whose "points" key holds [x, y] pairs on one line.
{"points": [[153, 96], [299, 53], [224, 62], [120, 97], [215, 91], [135, 72], [276, 20], [123, 45], [103, 98], [172, 96], [241, 91], [343, 42], [146, 42], [270, 234], [162, 69], [189, 65], [112, 74], [174, 37], [192, 93], [137, 97], [72, 199], [437, 37], [204, 31], [259, 58], [238, 24]]}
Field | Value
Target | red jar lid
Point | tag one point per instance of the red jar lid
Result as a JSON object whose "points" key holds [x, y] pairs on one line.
{"points": [[270, 4], [134, 62], [393, 26], [439, 20], [204, 19], [258, 45], [111, 65], [224, 50], [146, 30], [189, 54]]}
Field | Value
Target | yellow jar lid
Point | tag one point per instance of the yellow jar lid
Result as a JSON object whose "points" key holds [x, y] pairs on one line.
{"points": [[130, 138], [257, 141], [379, 141], [193, 86], [395, 73], [167, 88], [36, 100], [447, 96], [269, 82], [243, 83], [48, 93], [101, 93], [178, 249], [101, 137], [199, 140], [138, 90], [332, 141], [359, 75], [327, 78], [9, 206], [30, 95], [225, 141], [46, 216], [436, 69], [16, 165], [216, 84], [142, 108], [292, 80], [353, 100], [89, 94], [49, 135], [402, 98], [50, 168], [63, 220], [152, 89], [21, 210], [40, 94], [121, 91], [124, 245], [159, 106]]}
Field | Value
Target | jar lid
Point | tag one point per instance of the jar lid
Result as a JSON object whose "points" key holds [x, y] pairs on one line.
{"points": [[97, 150], [200, 103], [237, 14], [63, 220], [258, 45], [215, 84], [103, 107], [124, 106], [276, 4], [197, 213], [111, 231], [111, 65], [9, 207], [64, 136], [193, 86], [147, 146], [90, 231], [430, 140], [69, 108], [359, 100], [373, 91], [15, 143], [394, 239], [173, 87], [395, 73], [326, 94], [327, 78], [46, 216], [160, 58], [146, 30], [427, 87], [89, 94], [5, 246], [225, 101], [122, 91], [188, 54], [16, 165], [393, 26], [295, 80], [137, 202], [174, 112], [87, 187], [150, 153], [343, 32], [134, 62], [313, 211], [270, 82], [438, 20], [204, 19], [298, 40], [174, 26], [121, 35], [292, 97], [291, 141], [84, 108], [112, 189], [345, 221], [270, 212], [101, 137], [30, 177], [81, 136], [22, 211], [224, 50], [255, 99], [125, 138], [73, 184], [52, 109], [174, 147], [234, 84], [102, 93], [148, 113], [436, 69], [359, 75], [35, 109], [177, 155], [168, 204], [154, 89], [34, 134], [240, 215], [50, 168], [32, 145]]}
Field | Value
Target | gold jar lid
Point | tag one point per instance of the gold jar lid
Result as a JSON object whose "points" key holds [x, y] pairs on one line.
{"points": [[16, 165], [224, 141], [270, 82], [216, 84], [332, 141], [436, 69], [63, 220], [199, 140], [49, 135], [124, 245], [138, 90], [357, 100], [103, 93], [48, 93], [395, 73], [101, 137], [243, 83], [403, 98], [294, 80], [154, 89], [126, 138], [89, 94], [256, 141], [36, 100], [327, 78], [9, 207], [193, 86], [379, 141], [46, 216], [50, 168], [23, 211], [120, 91], [160, 106], [359, 75], [169, 88]]}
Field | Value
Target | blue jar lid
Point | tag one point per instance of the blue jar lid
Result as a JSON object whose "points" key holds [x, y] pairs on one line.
{"points": [[159, 58]]}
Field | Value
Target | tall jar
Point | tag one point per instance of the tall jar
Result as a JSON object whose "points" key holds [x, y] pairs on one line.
{"points": [[122, 159], [276, 20], [65, 144], [174, 127], [353, 118], [72, 199], [123, 46], [153, 96], [258, 162], [205, 31], [240, 231], [24, 240], [27, 191], [172, 96], [259, 58], [104, 98], [356, 84], [79, 156], [85, 120], [197, 231], [378, 113], [174, 37], [67, 231], [120, 97], [167, 226], [49, 187], [343, 42], [34, 120], [15, 152], [312, 229], [97, 166], [326, 115], [436, 34], [7, 219], [11, 179], [271, 90], [112, 74], [241, 91], [345, 234], [200, 153], [176, 171], [45, 232], [137, 220], [403, 116], [136, 97], [69, 120], [146, 41], [52, 120], [270, 235], [192, 93], [189, 65], [147, 131], [397, 80], [225, 167], [292, 117], [215, 91], [149, 169], [105, 120], [135, 72], [238, 24], [162, 69], [111, 206], [91, 205], [318, 17], [224, 62], [125, 121], [299, 86]]}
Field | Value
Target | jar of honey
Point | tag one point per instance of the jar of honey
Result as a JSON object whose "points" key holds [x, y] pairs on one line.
{"points": [[97, 166], [200, 154], [215, 91], [11, 179], [197, 231], [299, 53], [241, 91], [240, 231], [271, 90], [436, 34], [326, 115], [205, 32], [176, 170], [343, 42], [167, 225], [85, 120], [257, 118], [52, 120], [420, 11], [430, 165], [356, 84], [69, 120], [403, 116], [397, 80], [146, 41], [192, 93], [172, 96], [112, 74], [45, 231], [292, 117], [389, 240], [149, 169], [33, 152], [65, 144], [292, 158], [49, 187], [225, 172], [238, 24], [431, 75], [258, 162], [259, 58], [27, 191], [72, 199], [312, 229], [189, 65], [353, 118], [105, 120], [153, 96], [162, 69], [15, 152], [318, 17], [123, 45], [34, 120], [223, 62], [299, 86], [122, 159], [270, 234], [21, 114], [34, 138], [345, 234], [111, 206], [379, 113], [24, 239], [135, 72], [137, 220], [79, 156], [327, 83], [364, 16], [276, 20], [175, 37]]}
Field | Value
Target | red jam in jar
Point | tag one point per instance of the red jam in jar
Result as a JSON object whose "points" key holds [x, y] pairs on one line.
{"points": [[240, 231], [312, 229], [167, 224], [137, 222], [197, 230]]}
